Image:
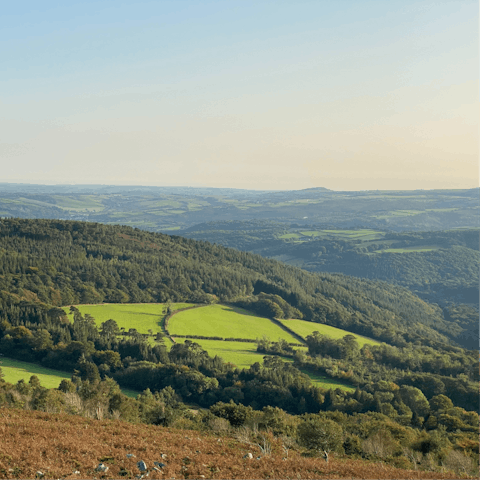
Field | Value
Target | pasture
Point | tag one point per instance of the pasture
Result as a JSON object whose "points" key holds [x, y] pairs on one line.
{"points": [[226, 322], [304, 328], [15, 370], [417, 249], [244, 354], [360, 234], [141, 316]]}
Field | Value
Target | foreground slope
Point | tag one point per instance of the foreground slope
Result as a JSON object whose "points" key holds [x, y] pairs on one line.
{"points": [[81, 444]]}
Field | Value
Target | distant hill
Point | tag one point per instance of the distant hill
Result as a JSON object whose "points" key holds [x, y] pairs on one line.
{"points": [[171, 208]]}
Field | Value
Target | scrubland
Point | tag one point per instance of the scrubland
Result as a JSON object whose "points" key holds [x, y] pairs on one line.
{"points": [[58, 445]]}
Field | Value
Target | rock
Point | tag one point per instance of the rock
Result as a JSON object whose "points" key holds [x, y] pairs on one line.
{"points": [[163, 456], [130, 455], [142, 466], [248, 455], [156, 469], [101, 468], [76, 472], [259, 458], [39, 474], [159, 464]]}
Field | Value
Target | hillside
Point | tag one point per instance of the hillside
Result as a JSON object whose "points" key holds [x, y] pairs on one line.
{"points": [[65, 263], [417, 394], [82, 444], [441, 267]]}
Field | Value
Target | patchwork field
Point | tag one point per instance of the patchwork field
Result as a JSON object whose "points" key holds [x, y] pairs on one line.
{"points": [[214, 321], [226, 322], [304, 328]]}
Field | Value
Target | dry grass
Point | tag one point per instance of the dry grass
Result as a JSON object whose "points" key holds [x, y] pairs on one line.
{"points": [[58, 445]]}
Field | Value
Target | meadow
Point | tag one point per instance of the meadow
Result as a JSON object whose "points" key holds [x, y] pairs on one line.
{"points": [[244, 354], [141, 316], [15, 370], [360, 234], [304, 328], [408, 249], [226, 322], [215, 321]]}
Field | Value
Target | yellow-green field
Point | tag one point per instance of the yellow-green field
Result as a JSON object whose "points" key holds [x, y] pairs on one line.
{"points": [[304, 328], [361, 234], [408, 249], [226, 322], [141, 316], [15, 370], [216, 321], [244, 354]]}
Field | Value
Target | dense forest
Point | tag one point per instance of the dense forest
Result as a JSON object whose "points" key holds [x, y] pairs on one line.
{"points": [[65, 263], [419, 388], [440, 267]]}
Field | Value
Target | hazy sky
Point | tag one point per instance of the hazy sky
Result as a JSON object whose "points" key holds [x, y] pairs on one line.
{"points": [[344, 94]]}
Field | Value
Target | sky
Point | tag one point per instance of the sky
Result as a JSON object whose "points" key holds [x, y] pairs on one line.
{"points": [[346, 94]]}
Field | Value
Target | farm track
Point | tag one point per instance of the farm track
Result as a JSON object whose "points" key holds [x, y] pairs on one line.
{"points": [[59, 444]]}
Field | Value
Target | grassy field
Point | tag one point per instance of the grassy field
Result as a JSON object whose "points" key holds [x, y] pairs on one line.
{"points": [[362, 234], [304, 328], [141, 316], [244, 354], [241, 354], [15, 370], [408, 249], [326, 383], [226, 322], [211, 320]]}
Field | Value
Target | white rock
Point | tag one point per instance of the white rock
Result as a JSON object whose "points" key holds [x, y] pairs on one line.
{"points": [[39, 474], [101, 468], [130, 455], [248, 455]]}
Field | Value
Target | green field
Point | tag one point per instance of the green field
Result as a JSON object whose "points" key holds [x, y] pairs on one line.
{"points": [[212, 320], [304, 328], [244, 354], [362, 234], [83, 202], [327, 383], [241, 354], [407, 249], [141, 316], [15, 370], [226, 322]]}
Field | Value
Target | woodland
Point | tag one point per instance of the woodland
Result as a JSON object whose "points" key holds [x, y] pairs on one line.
{"points": [[414, 401]]}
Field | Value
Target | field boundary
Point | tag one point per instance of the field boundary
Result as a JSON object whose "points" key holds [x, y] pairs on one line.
{"points": [[169, 316], [288, 330]]}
